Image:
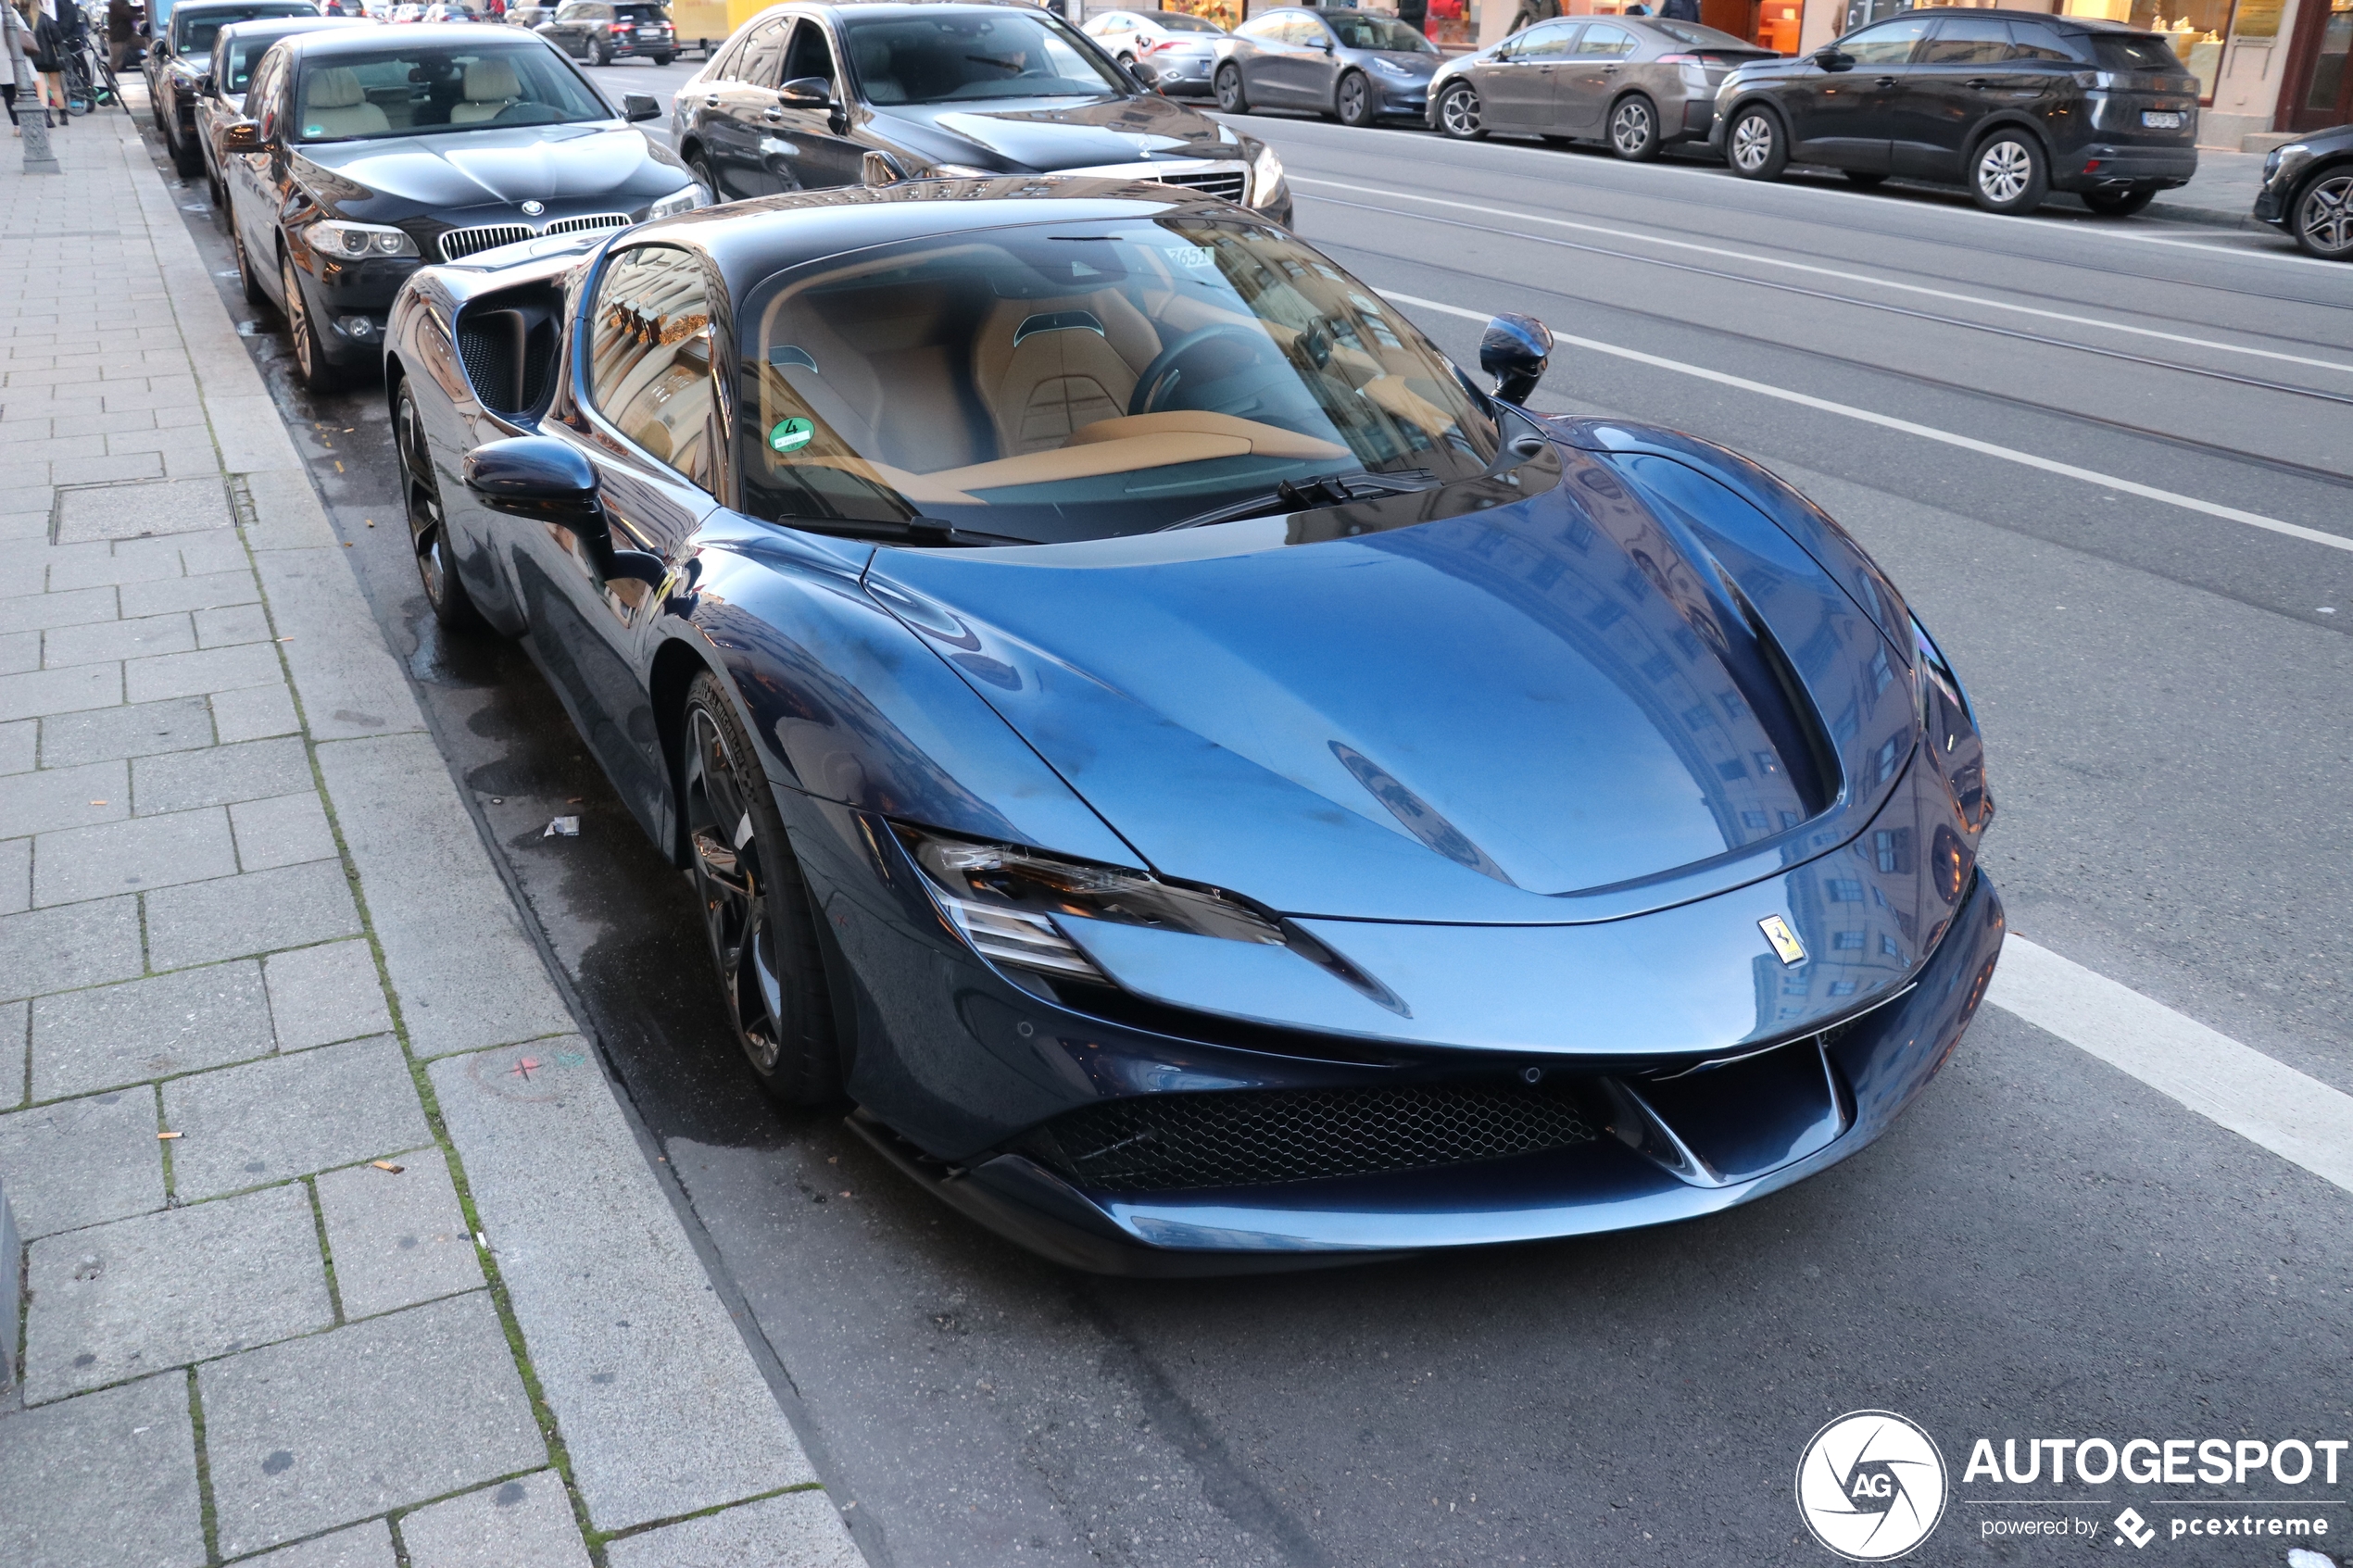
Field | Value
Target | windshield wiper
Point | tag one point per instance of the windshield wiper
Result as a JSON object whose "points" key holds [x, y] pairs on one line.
{"points": [[1306, 495], [924, 532]]}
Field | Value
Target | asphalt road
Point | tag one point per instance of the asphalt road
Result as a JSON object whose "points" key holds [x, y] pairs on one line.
{"points": [[2043, 1246]]}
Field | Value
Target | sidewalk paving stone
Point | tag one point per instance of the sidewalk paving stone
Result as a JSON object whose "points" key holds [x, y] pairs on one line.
{"points": [[16, 1055], [20, 746], [16, 876], [253, 713], [172, 1024], [95, 642], [82, 863], [286, 830], [71, 946], [253, 771], [60, 691], [324, 994], [169, 1289], [227, 625], [210, 591], [363, 1546], [334, 1427], [36, 612], [208, 670], [64, 797], [798, 1530], [525, 1522], [256, 912], [104, 1481], [19, 651], [82, 1162], [395, 1241], [290, 1116], [140, 729]]}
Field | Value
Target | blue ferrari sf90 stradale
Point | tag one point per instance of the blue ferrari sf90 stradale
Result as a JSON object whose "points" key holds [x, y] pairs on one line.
{"points": [[1214, 786]]}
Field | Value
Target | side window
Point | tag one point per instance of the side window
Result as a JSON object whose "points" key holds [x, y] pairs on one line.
{"points": [[650, 362], [1304, 31], [263, 98], [1265, 29], [811, 52], [1549, 42], [764, 55], [2032, 41], [1966, 41], [1889, 44], [1605, 42], [726, 68]]}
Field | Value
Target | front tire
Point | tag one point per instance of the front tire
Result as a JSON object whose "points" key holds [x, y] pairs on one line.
{"points": [[311, 366], [185, 158], [246, 280], [1231, 96], [429, 525], [2321, 216], [1755, 145], [661, 59], [756, 909], [1354, 102], [1458, 114], [1633, 129], [599, 52], [2118, 204], [700, 169], [2008, 173]]}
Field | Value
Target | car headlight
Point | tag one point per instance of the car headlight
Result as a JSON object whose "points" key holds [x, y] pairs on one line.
{"points": [[2279, 156], [333, 236], [1266, 175], [1389, 68], [1949, 724], [1005, 901], [685, 199]]}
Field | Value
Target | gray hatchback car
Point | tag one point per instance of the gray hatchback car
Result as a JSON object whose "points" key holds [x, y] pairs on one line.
{"points": [[1638, 82], [1357, 66]]}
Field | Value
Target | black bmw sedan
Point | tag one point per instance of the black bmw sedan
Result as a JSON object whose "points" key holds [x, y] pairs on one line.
{"points": [[806, 97], [177, 60], [366, 153]]}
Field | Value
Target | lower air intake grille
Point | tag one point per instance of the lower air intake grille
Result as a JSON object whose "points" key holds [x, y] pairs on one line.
{"points": [[1164, 1143], [1225, 182]]}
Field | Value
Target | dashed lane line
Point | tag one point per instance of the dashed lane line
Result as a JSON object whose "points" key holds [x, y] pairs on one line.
{"points": [[1928, 432]]}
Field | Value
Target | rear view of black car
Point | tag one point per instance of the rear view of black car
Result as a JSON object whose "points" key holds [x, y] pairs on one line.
{"points": [[2013, 105], [601, 32]]}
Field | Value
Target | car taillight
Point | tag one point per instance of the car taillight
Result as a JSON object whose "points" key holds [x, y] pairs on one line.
{"points": [[1163, 44], [1679, 61]]}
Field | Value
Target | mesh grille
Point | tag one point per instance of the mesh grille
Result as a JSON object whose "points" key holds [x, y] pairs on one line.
{"points": [[1225, 182], [489, 236], [488, 356], [1164, 1143]]}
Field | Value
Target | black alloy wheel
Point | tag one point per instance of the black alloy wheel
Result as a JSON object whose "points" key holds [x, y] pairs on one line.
{"points": [[246, 280], [185, 156], [1458, 113], [1229, 86], [1865, 179], [1755, 145], [2118, 204], [1354, 101], [756, 909], [2008, 173], [1633, 129], [2321, 217], [428, 530], [310, 355], [662, 60], [599, 52]]}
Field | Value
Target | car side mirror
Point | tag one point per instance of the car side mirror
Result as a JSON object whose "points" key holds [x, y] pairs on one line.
{"points": [[241, 137], [204, 86], [639, 105], [548, 482], [1321, 45], [1830, 56], [808, 91], [1514, 351]]}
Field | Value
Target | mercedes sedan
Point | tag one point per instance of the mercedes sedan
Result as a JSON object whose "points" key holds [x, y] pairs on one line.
{"points": [[1212, 785]]}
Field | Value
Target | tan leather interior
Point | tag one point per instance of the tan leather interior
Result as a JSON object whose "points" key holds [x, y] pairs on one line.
{"points": [[491, 86], [334, 104], [1046, 367]]}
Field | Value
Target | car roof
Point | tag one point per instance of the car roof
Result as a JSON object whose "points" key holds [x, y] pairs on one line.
{"points": [[2065, 24], [256, 27], [197, 8], [752, 240], [351, 40]]}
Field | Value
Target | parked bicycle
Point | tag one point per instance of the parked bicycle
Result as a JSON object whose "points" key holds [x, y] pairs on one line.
{"points": [[90, 81]]}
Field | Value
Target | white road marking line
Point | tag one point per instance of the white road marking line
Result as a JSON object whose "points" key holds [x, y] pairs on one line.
{"points": [[2267, 1102], [1928, 432], [1830, 272]]}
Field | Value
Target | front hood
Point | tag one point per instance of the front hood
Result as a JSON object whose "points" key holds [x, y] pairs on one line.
{"points": [[470, 168], [1045, 134], [1606, 697], [1413, 61]]}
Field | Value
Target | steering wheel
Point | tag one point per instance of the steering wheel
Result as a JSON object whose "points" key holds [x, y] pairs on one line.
{"points": [[1147, 385]]}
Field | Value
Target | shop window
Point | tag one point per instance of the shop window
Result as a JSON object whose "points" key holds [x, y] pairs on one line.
{"points": [[2196, 29]]}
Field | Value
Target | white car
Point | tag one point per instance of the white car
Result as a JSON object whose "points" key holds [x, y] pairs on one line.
{"points": [[1171, 50]]}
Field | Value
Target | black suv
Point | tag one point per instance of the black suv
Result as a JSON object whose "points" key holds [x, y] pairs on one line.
{"points": [[2307, 190], [2012, 103], [601, 32]]}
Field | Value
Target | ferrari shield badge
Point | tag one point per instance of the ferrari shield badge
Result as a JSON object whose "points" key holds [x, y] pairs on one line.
{"points": [[1786, 946]]}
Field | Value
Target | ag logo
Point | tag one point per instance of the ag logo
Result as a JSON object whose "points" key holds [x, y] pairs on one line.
{"points": [[1871, 1486]]}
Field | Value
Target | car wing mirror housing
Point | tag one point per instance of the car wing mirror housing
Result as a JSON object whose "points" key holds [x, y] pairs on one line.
{"points": [[241, 137], [1515, 350], [639, 105], [204, 85], [547, 482], [808, 91], [1830, 56]]}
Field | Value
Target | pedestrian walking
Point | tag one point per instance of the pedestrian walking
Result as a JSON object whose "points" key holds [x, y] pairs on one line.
{"points": [[122, 31], [44, 43]]}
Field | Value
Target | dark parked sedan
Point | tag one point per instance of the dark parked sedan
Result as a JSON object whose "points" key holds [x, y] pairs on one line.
{"points": [[2307, 191], [367, 150], [220, 95], [1354, 66], [808, 96], [1638, 82], [601, 32], [1216, 788], [179, 59], [2012, 104]]}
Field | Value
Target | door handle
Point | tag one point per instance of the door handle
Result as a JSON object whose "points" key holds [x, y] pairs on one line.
{"points": [[772, 113], [1884, 81], [1609, 70], [1976, 84]]}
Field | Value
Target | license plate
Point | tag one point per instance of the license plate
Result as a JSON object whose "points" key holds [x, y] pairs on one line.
{"points": [[2158, 120]]}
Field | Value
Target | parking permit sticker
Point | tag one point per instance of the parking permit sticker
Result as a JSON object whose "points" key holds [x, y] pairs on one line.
{"points": [[1193, 256], [791, 435]]}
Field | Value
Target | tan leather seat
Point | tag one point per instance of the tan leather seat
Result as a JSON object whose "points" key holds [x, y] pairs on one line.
{"points": [[1045, 367], [334, 104], [491, 86]]}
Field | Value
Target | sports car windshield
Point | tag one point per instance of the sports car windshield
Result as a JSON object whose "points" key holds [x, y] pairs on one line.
{"points": [[1379, 32], [1080, 380], [960, 56], [428, 89]]}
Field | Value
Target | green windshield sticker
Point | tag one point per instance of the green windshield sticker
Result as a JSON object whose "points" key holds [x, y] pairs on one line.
{"points": [[791, 435]]}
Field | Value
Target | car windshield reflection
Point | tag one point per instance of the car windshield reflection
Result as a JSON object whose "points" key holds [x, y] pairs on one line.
{"points": [[424, 90], [959, 57]]}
